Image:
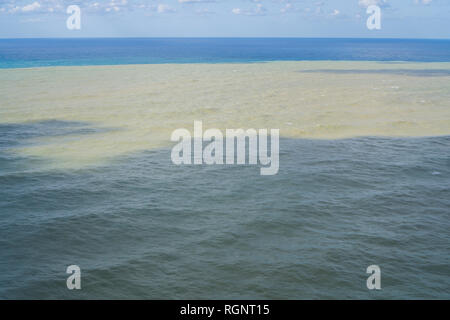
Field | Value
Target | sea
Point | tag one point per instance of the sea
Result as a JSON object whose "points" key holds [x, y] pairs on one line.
{"points": [[86, 176], [23, 53]]}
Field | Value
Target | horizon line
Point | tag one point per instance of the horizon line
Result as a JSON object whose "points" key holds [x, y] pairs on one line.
{"points": [[257, 37]]}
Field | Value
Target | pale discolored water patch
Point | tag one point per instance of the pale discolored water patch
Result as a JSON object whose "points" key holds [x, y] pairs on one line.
{"points": [[136, 107]]}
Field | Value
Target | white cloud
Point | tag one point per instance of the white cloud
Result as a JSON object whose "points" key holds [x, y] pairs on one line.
{"points": [[90, 6], [258, 11], [164, 8], [288, 7], [31, 7], [237, 10]]}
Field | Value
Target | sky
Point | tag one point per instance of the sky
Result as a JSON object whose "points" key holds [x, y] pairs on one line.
{"points": [[225, 18]]}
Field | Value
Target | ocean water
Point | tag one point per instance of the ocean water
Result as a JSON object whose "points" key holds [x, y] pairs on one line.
{"points": [[86, 176], [20, 53]]}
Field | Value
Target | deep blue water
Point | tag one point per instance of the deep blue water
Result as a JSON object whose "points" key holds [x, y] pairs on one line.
{"points": [[18, 53]]}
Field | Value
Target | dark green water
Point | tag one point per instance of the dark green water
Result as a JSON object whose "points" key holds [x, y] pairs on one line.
{"points": [[142, 227]]}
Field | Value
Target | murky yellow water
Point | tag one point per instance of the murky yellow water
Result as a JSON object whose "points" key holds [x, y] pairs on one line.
{"points": [[140, 105]]}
